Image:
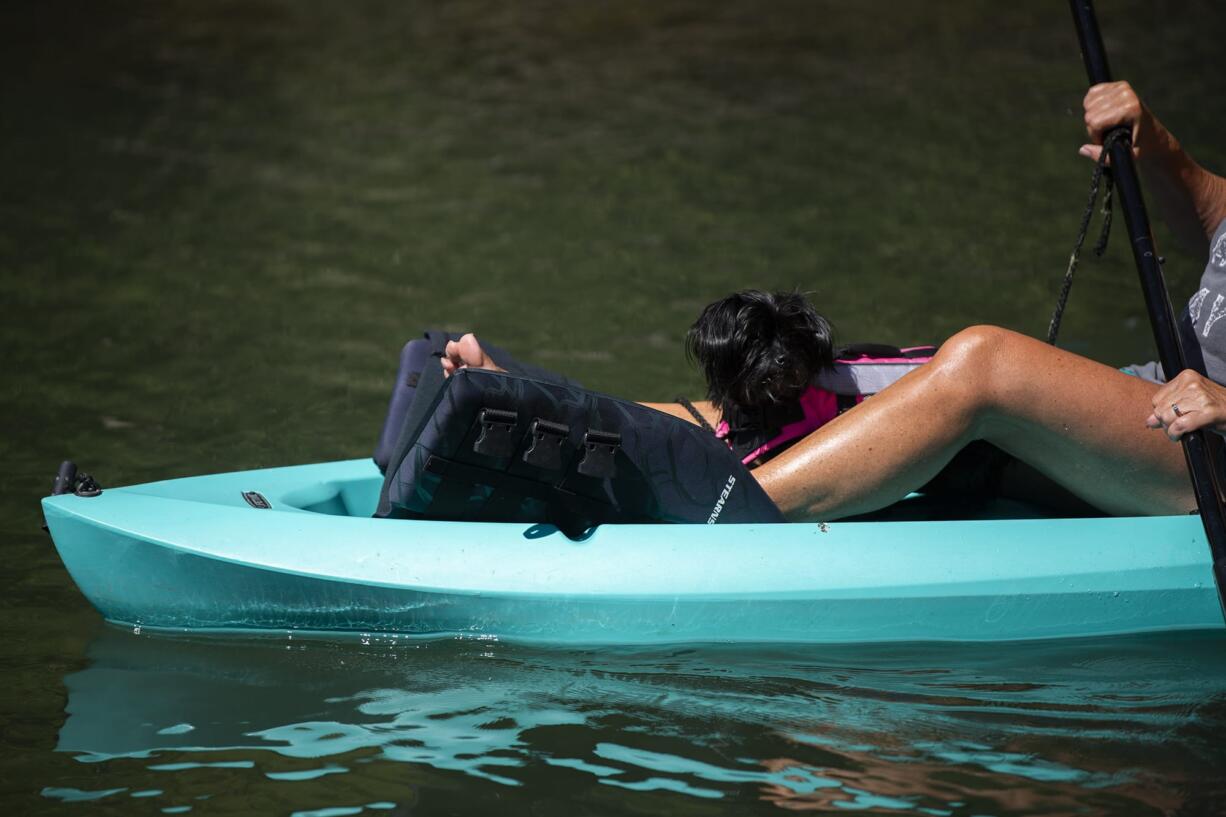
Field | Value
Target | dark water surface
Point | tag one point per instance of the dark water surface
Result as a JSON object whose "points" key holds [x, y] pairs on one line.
{"points": [[219, 221]]}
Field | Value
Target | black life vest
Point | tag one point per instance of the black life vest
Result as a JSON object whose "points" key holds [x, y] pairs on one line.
{"points": [[516, 447]]}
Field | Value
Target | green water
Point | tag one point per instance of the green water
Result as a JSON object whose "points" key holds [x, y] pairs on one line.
{"points": [[218, 223]]}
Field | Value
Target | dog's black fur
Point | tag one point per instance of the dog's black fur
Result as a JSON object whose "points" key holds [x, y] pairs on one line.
{"points": [[759, 349]]}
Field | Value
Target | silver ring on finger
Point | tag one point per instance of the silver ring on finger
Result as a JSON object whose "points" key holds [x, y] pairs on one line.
{"points": [[1175, 408]]}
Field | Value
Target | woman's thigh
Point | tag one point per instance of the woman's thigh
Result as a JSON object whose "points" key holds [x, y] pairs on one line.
{"points": [[1082, 424]]}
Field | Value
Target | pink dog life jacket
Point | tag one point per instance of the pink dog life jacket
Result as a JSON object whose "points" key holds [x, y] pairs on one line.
{"points": [[859, 371]]}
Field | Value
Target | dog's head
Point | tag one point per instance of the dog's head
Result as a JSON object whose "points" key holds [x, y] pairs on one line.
{"points": [[758, 349]]}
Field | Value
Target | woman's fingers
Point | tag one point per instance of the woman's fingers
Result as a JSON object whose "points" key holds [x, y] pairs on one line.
{"points": [[1175, 425], [1115, 104], [1167, 419], [1091, 152], [1188, 422], [1163, 404], [1110, 105], [1185, 422], [1178, 425]]}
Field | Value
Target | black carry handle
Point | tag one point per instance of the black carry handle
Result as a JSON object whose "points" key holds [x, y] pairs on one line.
{"points": [[1157, 301], [65, 478]]}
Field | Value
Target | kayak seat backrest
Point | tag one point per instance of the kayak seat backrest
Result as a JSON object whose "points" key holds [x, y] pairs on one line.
{"points": [[500, 447], [420, 369], [413, 359]]}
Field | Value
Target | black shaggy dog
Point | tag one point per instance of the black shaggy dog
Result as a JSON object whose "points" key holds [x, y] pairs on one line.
{"points": [[759, 350]]}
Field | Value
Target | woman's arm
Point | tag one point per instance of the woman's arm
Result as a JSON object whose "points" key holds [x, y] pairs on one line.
{"points": [[1192, 200]]}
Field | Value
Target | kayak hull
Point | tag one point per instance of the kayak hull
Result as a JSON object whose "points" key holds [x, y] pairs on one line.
{"points": [[192, 554]]}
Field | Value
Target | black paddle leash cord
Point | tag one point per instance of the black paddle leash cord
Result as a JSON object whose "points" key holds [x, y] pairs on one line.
{"points": [[1100, 177], [1157, 300]]}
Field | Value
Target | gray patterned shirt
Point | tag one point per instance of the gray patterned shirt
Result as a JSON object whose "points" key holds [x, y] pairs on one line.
{"points": [[1206, 307]]}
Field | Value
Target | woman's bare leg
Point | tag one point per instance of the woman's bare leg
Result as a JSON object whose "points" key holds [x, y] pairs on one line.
{"points": [[1078, 422]]}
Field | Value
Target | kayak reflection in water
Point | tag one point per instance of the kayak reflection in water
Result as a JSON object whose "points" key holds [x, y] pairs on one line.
{"points": [[1086, 426]]}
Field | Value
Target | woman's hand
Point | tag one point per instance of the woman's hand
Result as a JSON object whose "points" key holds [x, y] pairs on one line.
{"points": [[1188, 402], [1112, 104], [1190, 198]]}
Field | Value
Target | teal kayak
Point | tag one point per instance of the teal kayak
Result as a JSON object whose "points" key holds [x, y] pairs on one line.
{"points": [[295, 548]]}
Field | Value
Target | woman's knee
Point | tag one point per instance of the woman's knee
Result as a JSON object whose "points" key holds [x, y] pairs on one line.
{"points": [[1000, 366], [970, 364], [975, 346]]}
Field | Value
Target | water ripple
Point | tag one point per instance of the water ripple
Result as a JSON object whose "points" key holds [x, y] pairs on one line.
{"points": [[887, 729]]}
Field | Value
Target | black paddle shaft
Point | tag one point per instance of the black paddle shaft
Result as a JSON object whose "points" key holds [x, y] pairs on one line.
{"points": [[1157, 300]]}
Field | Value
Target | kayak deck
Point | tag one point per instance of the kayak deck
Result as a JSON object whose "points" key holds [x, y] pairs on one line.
{"points": [[193, 554]]}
